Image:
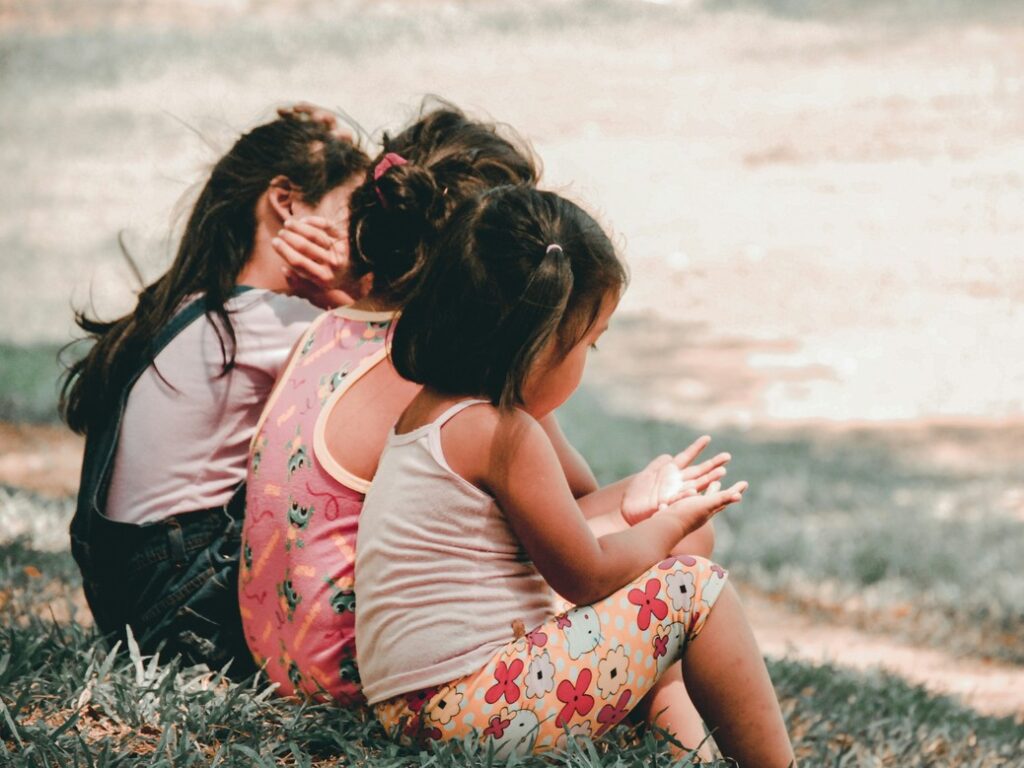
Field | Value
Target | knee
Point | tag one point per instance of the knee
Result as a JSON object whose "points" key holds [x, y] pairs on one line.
{"points": [[691, 583], [701, 542]]}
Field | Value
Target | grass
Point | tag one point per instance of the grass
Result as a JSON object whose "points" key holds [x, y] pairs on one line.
{"points": [[28, 382], [852, 524], [65, 700]]}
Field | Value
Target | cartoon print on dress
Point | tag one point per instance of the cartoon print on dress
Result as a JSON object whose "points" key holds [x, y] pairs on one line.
{"points": [[540, 676], [289, 598], [285, 661], [297, 455], [667, 639], [612, 672], [582, 630], [341, 599], [513, 733], [348, 671], [257, 454], [307, 344], [298, 519], [294, 675], [376, 331], [329, 384]]}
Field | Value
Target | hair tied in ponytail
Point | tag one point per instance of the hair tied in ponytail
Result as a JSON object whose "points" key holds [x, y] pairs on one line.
{"points": [[553, 248], [389, 161]]}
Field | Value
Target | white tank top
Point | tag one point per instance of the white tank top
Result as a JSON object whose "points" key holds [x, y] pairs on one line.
{"points": [[440, 576]]}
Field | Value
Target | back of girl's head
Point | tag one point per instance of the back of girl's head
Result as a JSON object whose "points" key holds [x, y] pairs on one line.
{"points": [[396, 214], [218, 237], [216, 244], [514, 269]]}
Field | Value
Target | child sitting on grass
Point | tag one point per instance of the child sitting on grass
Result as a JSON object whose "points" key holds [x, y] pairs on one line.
{"points": [[470, 521]]}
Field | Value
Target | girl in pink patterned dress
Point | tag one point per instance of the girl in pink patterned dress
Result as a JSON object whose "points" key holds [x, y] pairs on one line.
{"points": [[305, 482]]}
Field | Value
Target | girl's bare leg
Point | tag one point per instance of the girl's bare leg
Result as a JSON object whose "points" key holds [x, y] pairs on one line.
{"points": [[728, 682], [668, 706]]}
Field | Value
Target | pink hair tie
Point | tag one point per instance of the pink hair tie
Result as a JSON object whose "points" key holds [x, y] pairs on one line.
{"points": [[389, 161]]}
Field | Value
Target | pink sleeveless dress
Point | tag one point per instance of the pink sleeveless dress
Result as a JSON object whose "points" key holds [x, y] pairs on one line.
{"points": [[295, 585]]}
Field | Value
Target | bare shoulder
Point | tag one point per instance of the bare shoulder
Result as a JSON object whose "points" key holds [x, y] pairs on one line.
{"points": [[483, 437]]}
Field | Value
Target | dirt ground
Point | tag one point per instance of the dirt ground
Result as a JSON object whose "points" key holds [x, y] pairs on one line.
{"points": [[42, 459]]}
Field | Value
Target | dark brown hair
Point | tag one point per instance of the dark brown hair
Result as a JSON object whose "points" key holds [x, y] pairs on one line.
{"points": [[216, 245], [395, 219], [514, 268]]}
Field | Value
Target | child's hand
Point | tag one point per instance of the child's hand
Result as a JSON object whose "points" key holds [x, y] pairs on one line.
{"points": [[305, 111], [668, 479], [314, 249], [694, 511], [315, 252]]}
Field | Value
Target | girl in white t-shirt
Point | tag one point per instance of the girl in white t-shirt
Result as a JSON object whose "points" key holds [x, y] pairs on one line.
{"points": [[470, 522], [168, 395]]}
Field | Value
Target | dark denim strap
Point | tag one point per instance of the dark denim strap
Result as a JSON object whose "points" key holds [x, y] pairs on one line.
{"points": [[101, 444]]}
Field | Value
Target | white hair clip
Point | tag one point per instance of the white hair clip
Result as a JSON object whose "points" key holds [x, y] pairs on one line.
{"points": [[553, 248]]}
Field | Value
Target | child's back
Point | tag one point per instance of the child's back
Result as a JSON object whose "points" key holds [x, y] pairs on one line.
{"points": [[442, 576], [302, 510]]}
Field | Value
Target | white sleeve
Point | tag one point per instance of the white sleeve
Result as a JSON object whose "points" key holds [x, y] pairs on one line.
{"points": [[267, 328]]}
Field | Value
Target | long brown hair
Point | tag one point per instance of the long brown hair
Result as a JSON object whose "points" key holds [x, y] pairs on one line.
{"points": [[216, 245]]}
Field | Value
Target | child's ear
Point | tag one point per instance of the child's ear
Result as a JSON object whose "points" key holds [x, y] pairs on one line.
{"points": [[366, 284], [282, 196]]}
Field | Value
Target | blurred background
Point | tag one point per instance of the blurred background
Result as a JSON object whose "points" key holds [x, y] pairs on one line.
{"points": [[822, 207]]}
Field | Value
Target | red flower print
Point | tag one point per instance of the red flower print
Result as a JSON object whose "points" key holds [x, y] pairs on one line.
{"points": [[610, 716], [537, 639], [416, 700], [681, 559], [660, 646], [562, 621], [415, 729], [649, 603], [505, 675], [575, 698], [497, 727]]}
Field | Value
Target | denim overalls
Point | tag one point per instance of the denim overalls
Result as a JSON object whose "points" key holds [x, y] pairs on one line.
{"points": [[174, 582]]}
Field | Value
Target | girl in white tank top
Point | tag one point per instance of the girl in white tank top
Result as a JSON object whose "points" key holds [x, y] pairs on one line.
{"points": [[469, 519]]}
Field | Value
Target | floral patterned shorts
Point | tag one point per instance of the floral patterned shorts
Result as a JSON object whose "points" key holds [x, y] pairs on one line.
{"points": [[579, 673]]}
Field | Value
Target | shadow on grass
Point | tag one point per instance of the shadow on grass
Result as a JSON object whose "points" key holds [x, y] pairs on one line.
{"points": [[65, 700], [869, 525]]}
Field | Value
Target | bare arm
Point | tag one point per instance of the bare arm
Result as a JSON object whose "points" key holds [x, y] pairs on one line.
{"points": [[520, 468], [604, 508], [577, 472]]}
